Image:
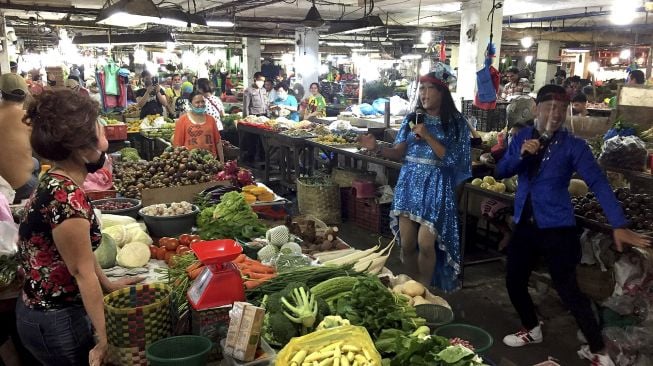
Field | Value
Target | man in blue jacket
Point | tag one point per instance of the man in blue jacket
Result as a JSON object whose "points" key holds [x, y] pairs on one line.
{"points": [[544, 157]]}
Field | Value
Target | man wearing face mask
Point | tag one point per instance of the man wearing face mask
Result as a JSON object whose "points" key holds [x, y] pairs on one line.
{"points": [[544, 157], [255, 98], [174, 96], [152, 98]]}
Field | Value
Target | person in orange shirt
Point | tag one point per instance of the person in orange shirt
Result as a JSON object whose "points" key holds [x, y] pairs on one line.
{"points": [[198, 130]]}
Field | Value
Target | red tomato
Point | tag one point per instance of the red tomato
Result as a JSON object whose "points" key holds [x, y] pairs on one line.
{"points": [[195, 238], [153, 250], [169, 257], [184, 239], [172, 244], [163, 241], [182, 249], [161, 253]]}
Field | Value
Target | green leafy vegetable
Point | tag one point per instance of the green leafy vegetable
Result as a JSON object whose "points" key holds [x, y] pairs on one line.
{"points": [[231, 218]]}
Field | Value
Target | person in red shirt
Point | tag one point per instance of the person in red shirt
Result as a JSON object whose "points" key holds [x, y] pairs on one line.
{"points": [[198, 130]]}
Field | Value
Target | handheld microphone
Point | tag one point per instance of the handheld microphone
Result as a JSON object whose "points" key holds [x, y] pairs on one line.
{"points": [[419, 118], [544, 138]]}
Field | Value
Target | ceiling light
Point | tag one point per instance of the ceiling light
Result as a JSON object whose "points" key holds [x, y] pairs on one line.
{"points": [[128, 13], [426, 37], [126, 38], [593, 67], [503, 60], [344, 44], [411, 57], [364, 50], [624, 11], [527, 42], [624, 54], [313, 18], [528, 59], [219, 23]]}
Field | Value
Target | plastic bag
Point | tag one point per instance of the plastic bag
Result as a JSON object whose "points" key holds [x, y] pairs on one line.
{"points": [[348, 334], [366, 109], [625, 152], [399, 106], [379, 105], [8, 238]]}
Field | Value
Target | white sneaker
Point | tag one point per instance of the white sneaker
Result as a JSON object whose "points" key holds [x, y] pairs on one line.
{"points": [[524, 337], [597, 359]]}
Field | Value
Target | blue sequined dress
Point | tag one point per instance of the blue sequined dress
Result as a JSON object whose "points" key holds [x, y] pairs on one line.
{"points": [[426, 187]]}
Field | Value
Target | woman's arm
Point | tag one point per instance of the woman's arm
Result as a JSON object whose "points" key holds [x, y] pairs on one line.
{"points": [[395, 153], [220, 151], [73, 242]]}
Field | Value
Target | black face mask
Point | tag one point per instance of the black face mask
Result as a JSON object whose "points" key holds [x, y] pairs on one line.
{"points": [[94, 167]]}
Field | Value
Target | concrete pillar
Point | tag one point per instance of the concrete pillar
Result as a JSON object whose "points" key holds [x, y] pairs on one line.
{"points": [[472, 49], [4, 55], [545, 71], [307, 57], [455, 52], [251, 59]]}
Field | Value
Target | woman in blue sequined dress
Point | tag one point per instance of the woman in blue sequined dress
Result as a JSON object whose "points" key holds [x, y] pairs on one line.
{"points": [[436, 159]]}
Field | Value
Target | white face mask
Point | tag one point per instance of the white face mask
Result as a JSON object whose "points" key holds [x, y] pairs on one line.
{"points": [[259, 84]]}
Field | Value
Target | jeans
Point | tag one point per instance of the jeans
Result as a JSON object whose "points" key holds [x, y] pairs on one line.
{"points": [[24, 191], [56, 337], [561, 250]]}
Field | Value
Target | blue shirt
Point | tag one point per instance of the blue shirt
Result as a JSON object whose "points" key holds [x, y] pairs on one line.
{"points": [[290, 101], [548, 188]]}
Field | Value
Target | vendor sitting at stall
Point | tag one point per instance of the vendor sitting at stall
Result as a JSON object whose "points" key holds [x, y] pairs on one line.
{"points": [[579, 105], [286, 104], [315, 103], [197, 129]]}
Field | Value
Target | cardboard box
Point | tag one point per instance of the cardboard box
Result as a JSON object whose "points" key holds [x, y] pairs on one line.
{"points": [[176, 194], [244, 331], [212, 323]]}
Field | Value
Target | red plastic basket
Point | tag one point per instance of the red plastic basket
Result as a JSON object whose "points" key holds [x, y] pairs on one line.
{"points": [[100, 195], [116, 132], [369, 214]]}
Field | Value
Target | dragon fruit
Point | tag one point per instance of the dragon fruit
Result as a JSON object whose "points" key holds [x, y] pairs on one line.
{"points": [[245, 177], [231, 167]]}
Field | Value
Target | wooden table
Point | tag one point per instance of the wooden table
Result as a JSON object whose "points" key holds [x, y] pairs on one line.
{"points": [[351, 154], [268, 141], [293, 154]]}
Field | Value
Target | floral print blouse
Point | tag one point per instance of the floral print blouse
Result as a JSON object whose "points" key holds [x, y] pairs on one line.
{"points": [[48, 283]]}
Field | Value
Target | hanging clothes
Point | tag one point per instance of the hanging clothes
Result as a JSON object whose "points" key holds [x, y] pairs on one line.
{"points": [[111, 78]]}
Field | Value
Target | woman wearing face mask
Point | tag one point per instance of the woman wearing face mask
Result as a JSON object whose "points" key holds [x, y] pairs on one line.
{"points": [[435, 150], [198, 130], [61, 308], [286, 102]]}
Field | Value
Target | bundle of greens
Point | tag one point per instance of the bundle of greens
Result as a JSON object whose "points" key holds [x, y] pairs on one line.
{"points": [[372, 306], [421, 349], [291, 312], [129, 154], [231, 218]]}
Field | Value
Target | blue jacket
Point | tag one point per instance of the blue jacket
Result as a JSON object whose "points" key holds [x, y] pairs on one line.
{"points": [[550, 198]]}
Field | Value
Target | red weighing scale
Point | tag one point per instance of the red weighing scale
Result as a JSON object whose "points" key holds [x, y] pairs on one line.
{"points": [[220, 282]]}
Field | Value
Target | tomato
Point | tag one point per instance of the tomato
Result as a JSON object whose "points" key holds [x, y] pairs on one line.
{"points": [[164, 241], [169, 257], [172, 244], [182, 249], [161, 253], [184, 239], [195, 241], [153, 250], [195, 238]]}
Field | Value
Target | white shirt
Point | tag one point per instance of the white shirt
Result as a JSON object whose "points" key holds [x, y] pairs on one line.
{"points": [[213, 108]]}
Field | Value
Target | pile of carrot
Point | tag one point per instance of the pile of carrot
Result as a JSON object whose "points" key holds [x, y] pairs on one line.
{"points": [[254, 272], [194, 270]]}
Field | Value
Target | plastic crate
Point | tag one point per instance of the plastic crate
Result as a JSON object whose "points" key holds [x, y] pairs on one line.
{"points": [[487, 120], [100, 195], [369, 214], [116, 132]]}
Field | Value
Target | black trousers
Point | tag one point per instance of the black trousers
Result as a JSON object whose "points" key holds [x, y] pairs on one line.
{"points": [[561, 250]]}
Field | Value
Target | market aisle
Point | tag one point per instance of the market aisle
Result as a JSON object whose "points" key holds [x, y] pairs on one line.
{"points": [[484, 302]]}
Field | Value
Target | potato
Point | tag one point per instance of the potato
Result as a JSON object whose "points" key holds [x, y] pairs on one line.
{"points": [[413, 288], [418, 300], [398, 289]]}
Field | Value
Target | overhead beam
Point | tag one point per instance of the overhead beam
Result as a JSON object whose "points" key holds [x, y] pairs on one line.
{"points": [[582, 37], [7, 5]]}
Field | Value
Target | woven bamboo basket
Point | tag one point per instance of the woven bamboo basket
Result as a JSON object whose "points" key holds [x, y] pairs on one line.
{"points": [[136, 317], [319, 199], [344, 177]]}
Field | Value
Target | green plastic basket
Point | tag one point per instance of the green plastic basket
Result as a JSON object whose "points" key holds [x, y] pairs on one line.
{"points": [[186, 350], [435, 315], [479, 338]]}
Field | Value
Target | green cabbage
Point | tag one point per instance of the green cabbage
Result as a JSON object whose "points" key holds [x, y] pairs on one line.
{"points": [[133, 255]]}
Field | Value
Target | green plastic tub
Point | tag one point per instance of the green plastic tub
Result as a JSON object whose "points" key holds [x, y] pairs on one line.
{"points": [[186, 350], [479, 338]]}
